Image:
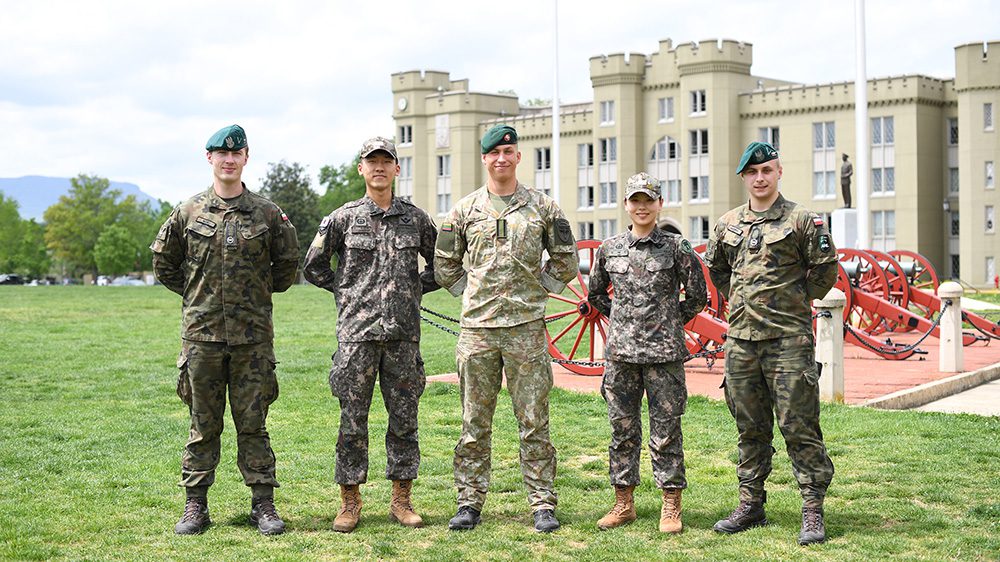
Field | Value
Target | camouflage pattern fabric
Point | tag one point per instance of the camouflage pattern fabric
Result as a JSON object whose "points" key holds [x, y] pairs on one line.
{"points": [[770, 268], [226, 258], [207, 370], [400, 372], [505, 283], [519, 353], [377, 285], [622, 388], [778, 375], [646, 316]]}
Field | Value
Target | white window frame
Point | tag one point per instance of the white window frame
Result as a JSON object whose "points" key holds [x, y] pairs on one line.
{"points": [[405, 135], [608, 194], [988, 116], [824, 145], [989, 220], [543, 169], [607, 228], [443, 199], [953, 185], [699, 142], [699, 103], [672, 191], [990, 175], [665, 109], [585, 199], [404, 183], [770, 135], [699, 189], [952, 131], [607, 113], [607, 150], [698, 230], [884, 230], [585, 230]]}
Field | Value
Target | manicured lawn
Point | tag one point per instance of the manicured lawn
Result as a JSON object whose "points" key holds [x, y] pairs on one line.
{"points": [[93, 433]]}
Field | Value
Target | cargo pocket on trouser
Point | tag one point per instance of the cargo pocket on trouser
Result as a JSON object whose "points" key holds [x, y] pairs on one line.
{"points": [[183, 380], [334, 369]]}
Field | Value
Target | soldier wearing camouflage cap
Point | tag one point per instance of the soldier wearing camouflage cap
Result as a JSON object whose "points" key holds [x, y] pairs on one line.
{"points": [[645, 351], [770, 258], [377, 287], [501, 229], [225, 251]]}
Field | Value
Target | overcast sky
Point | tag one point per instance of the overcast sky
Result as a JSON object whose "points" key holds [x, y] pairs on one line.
{"points": [[132, 90]]}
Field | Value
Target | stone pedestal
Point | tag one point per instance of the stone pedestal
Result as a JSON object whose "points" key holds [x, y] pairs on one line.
{"points": [[844, 228]]}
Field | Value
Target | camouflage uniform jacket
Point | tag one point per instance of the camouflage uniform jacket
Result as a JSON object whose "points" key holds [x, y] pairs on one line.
{"points": [[377, 284], [770, 268], [505, 284], [225, 259], [647, 317]]}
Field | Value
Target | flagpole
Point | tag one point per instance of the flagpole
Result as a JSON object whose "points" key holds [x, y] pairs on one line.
{"points": [[863, 172], [555, 102]]}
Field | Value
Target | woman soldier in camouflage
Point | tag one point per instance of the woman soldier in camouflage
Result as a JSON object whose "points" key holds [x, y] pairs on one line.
{"points": [[645, 350]]}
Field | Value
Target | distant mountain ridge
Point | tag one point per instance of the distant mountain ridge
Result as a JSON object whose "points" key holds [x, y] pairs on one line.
{"points": [[34, 194]]}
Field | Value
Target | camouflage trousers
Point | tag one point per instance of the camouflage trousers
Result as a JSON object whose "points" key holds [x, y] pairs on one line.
{"points": [[777, 377], [483, 356], [622, 388], [400, 372], [207, 371]]}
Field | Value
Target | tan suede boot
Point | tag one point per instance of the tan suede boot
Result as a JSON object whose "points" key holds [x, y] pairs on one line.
{"points": [[401, 506], [350, 509], [670, 515], [623, 512]]}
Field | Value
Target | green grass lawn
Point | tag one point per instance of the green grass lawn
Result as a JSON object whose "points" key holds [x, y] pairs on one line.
{"points": [[93, 433]]}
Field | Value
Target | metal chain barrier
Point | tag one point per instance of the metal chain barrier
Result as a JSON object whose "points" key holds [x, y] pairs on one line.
{"points": [[439, 315], [908, 348]]}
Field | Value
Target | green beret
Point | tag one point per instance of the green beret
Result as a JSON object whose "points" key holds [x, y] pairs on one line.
{"points": [[498, 135], [756, 153], [227, 138]]}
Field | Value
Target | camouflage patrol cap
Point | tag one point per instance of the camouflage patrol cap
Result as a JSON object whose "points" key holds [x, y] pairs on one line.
{"points": [[227, 138], [756, 153], [375, 144], [642, 183], [498, 135]]}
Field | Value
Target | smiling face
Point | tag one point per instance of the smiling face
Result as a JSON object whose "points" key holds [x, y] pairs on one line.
{"points": [[643, 211], [379, 170], [227, 165], [501, 162], [761, 181]]}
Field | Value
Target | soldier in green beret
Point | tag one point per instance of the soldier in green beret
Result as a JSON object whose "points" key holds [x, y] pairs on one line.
{"points": [[500, 230], [225, 251], [770, 258]]}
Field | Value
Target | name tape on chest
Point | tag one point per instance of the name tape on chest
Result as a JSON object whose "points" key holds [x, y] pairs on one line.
{"points": [[734, 229]]}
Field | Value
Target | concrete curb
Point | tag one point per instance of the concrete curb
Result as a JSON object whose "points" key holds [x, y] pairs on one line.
{"points": [[935, 390]]}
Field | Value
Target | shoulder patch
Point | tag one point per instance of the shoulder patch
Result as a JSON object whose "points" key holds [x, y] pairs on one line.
{"points": [[324, 225], [686, 246], [817, 220], [447, 227], [564, 233]]}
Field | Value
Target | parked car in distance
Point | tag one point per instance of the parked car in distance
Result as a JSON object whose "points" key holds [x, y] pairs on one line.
{"points": [[127, 281], [11, 279]]}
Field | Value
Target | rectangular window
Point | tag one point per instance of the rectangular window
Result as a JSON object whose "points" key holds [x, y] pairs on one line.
{"points": [[673, 192], [608, 228], [953, 132], [699, 189], [698, 104], [952, 180], [665, 107], [609, 194], [883, 181], [404, 183], [585, 197], [883, 131], [988, 116], [585, 230], [955, 223], [698, 232], [991, 270], [956, 266], [769, 135], [607, 113], [990, 224], [608, 150], [990, 182], [824, 136], [699, 141], [405, 134], [543, 170], [443, 183], [584, 155], [824, 161], [884, 230]]}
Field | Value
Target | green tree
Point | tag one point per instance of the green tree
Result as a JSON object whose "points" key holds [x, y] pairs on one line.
{"points": [[288, 186], [116, 251], [33, 257], [343, 183], [74, 224], [10, 234]]}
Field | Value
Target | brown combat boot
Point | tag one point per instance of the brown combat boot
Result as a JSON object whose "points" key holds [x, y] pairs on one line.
{"points": [[401, 506], [350, 509], [623, 512], [670, 514]]}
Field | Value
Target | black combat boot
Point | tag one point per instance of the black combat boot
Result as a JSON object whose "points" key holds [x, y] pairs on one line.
{"points": [[195, 518], [813, 530], [746, 516], [545, 521], [466, 519], [265, 516]]}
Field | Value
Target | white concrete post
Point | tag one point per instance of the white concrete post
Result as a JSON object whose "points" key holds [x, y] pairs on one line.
{"points": [[950, 350], [830, 345]]}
